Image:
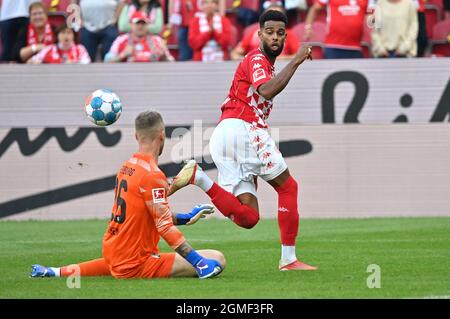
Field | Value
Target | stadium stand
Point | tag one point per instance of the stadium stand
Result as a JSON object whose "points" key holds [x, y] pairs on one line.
{"points": [[172, 40], [56, 5], [250, 29], [57, 18], [234, 36], [322, 16], [440, 44], [250, 4], [366, 42], [317, 39], [433, 14], [438, 4], [0, 37], [57, 13]]}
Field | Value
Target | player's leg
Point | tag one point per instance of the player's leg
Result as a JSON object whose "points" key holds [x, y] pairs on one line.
{"points": [[288, 220], [182, 268], [241, 209], [167, 265], [234, 158], [274, 170], [96, 267], [249, 199], [236, 196]]}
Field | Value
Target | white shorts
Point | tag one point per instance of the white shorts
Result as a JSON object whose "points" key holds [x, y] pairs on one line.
{"points": [[242, 151]]}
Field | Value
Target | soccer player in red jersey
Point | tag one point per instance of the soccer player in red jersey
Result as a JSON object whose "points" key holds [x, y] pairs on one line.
{"points": [[242, 147], [140, 217]]}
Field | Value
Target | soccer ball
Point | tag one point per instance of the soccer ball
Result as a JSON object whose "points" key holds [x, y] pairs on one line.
{"points": [[103, 107]]}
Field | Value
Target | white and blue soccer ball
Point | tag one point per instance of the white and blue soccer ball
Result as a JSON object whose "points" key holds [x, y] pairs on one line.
{"points": [[103, 107]]}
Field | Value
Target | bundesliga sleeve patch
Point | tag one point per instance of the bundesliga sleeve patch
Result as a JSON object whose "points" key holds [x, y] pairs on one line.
{"points": [[159, 195], [259, 75]]}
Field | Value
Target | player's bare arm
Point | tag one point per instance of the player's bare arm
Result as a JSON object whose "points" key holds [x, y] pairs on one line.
{"points": [[310, 18], [271, 88]]}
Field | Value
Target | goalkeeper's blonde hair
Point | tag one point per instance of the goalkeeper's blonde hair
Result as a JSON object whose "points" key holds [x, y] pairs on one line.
{"points": [[149, 124]]}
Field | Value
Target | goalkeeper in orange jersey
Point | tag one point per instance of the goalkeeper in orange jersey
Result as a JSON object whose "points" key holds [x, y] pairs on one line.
{"points": [[140, 217]]}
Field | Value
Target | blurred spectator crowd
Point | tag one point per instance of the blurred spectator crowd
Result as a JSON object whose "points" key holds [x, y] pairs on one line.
{"points": [[85, 31]]}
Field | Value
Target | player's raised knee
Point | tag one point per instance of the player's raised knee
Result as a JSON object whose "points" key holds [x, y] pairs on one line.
{"points": [[251, 221]]}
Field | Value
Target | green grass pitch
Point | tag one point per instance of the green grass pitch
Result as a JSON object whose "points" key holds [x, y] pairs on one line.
{"points": [[413, 255]]}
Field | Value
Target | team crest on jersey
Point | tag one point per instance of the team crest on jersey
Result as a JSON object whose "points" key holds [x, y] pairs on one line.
{"points": [[159, 195], [257, 66], [259, 75]]}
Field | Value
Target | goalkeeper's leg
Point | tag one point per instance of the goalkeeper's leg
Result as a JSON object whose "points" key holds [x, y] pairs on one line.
{"points": [[96, 267]]}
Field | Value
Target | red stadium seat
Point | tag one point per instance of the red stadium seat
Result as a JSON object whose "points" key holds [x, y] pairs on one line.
{"points": [[56, 5], [250, 4], [57, 18], [57, 13], [440, 44], [433, 15], [317, 39], [439, 4]]}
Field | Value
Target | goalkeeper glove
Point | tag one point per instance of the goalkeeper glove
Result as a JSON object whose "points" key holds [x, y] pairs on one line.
{"points": [[204, 267], [199, 211]]}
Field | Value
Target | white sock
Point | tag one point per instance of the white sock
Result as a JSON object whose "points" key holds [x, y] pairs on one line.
{"points": [[56, 270], [203, 181], [287, 255]]}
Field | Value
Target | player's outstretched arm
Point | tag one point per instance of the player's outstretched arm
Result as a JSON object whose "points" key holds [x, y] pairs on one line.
{"points": [[271, 88], [199, 211]]}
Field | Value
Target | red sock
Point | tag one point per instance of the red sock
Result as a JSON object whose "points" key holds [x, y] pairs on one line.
{"points": [[231, 207], [96, 267], [288, 217]]}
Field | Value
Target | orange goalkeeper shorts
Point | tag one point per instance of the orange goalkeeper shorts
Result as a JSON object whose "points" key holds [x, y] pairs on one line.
{"points": [[154, 267]]}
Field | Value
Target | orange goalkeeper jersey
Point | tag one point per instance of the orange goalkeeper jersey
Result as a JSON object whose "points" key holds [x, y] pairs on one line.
{"points": [[140, 216]]}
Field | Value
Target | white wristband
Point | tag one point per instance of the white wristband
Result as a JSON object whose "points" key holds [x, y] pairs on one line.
{"points": [[33, 48]]}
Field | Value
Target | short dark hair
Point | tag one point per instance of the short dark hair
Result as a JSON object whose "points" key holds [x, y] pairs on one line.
{"points": [[148, 123], [62, 28], [272, 15]]}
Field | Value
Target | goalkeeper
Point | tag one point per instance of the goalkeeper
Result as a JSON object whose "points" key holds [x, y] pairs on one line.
{"points": [[140, 217]]}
